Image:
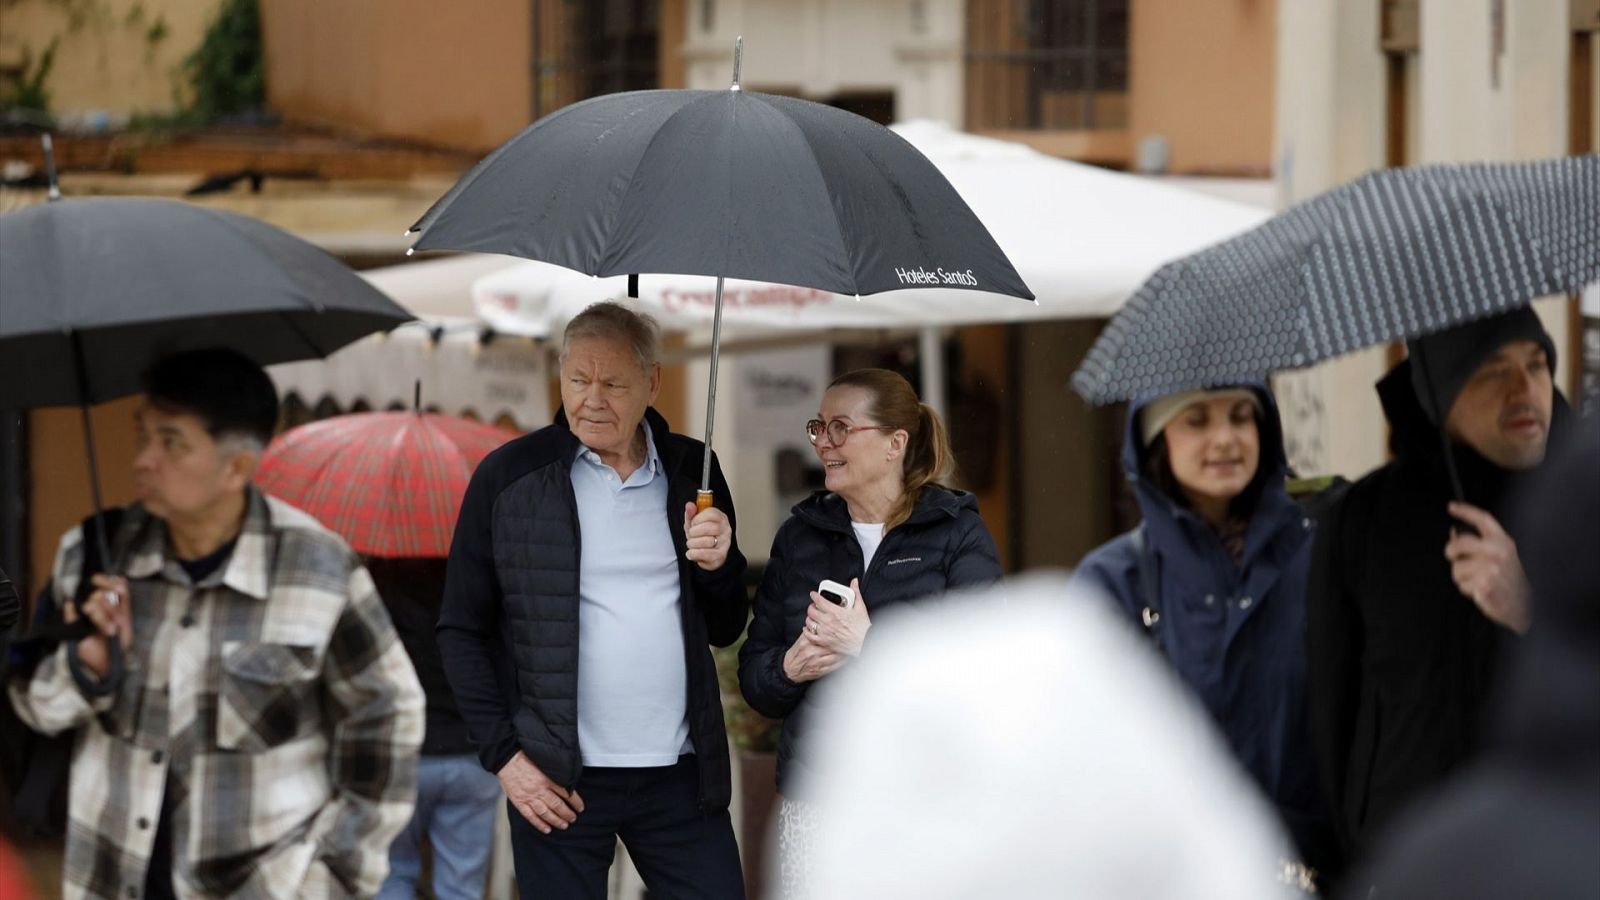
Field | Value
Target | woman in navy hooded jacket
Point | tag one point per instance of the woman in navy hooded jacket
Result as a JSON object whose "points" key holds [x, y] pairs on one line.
{"points": [[1217, 574]]}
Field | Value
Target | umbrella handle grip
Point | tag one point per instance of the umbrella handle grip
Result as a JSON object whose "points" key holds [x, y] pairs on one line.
{"points": [[702, 501]]}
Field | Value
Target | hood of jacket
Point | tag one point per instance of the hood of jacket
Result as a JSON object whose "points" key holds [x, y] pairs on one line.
{"points": [[1166, 517], [1415, 440]]}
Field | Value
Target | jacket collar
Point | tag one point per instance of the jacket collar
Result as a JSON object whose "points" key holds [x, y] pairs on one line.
{"points": [[828, 511], [248, 569]]}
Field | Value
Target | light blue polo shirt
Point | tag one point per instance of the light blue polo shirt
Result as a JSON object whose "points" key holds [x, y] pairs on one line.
{"points": [[632, 678]]}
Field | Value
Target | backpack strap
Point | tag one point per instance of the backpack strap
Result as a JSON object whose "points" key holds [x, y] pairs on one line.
{"points": [[1149, 587]]}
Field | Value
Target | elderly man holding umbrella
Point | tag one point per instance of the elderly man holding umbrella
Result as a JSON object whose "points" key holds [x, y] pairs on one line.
{"points": [[582, 590]]}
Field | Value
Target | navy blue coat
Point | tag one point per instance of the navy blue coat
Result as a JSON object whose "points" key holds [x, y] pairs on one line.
{"points": [[944, 545], [1236, 636]]}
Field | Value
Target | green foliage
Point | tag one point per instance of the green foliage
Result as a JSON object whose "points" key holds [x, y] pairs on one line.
{"points": [[228, 71], [31, 92], [747, 729], [158, 30]]}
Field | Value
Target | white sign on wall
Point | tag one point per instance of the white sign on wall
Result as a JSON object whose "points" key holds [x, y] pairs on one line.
{"points": [[777, 392]]}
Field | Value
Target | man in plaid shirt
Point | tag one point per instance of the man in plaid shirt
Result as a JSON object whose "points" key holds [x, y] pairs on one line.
{"points": [[261, 738]]}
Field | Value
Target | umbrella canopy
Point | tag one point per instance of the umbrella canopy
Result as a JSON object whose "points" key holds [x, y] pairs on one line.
{"points": [[725, 183], [1082, 237], [732, 184], [390, 483], [114, 283], [1395, 254]]}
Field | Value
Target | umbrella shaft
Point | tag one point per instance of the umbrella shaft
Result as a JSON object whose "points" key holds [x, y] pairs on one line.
{"points": [[711, 391], [99, 536]]}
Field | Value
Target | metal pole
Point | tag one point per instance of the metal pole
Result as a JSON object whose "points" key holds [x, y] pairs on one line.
{"points": [[88, 444], [931, 356], [54, 192], [703, 498]]}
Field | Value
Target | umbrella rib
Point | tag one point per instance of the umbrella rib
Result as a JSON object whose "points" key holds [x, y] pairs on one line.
{"points": [[443, 204], [604, 264], [833, 210]]}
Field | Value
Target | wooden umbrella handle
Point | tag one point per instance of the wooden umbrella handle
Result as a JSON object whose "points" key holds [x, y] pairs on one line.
{"points": [[702, 501]]}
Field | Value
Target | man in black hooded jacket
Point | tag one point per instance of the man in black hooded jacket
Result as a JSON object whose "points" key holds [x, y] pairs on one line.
{"points": [[1407, 609], [1524, 821]]}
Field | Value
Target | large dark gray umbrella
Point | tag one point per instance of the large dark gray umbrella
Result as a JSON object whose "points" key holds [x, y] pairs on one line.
{"points": [[94, 290], [114, 283], [725, 183], [1396, 254]]}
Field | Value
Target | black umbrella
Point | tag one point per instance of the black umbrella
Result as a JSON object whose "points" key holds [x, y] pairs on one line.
{"points": [[728, 183], [94, 290], [111, 284], [1396, 254]]}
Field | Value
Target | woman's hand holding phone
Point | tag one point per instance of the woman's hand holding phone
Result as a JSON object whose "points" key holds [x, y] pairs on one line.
{"points": [[840, 628], [831, 634]]}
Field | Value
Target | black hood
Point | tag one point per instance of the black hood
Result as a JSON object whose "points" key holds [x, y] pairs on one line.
{"points": [[1453, 355], [1415, 440]]}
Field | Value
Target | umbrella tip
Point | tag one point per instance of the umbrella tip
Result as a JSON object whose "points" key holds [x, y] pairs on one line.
{"points": [[410, 250], [738, 59]]}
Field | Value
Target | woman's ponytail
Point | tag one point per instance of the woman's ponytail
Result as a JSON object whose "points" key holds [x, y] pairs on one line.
{"points": [[927, 461]]}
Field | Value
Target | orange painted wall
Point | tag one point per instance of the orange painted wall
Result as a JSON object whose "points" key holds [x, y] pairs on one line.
{"points": [[59, 474], [1202, 74], [451, 74]]}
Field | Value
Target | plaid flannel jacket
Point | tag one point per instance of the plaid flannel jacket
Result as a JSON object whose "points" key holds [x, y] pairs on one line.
{"points": [[273, 696]]}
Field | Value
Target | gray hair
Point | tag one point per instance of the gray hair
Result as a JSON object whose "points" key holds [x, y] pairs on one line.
{"points": [[610, 320]]}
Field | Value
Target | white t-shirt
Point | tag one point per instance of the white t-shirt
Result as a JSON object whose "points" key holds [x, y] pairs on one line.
{"points": [[870, 536]]}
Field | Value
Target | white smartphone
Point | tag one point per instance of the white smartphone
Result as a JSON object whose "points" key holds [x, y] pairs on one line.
{"points": [[836, 593]]}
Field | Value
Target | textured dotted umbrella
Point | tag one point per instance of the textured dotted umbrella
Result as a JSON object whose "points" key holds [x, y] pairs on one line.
{"points": [[1396, 254]]}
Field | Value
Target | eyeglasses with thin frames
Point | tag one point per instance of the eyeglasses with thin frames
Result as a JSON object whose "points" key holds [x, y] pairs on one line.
{"points": [[838, 430]]}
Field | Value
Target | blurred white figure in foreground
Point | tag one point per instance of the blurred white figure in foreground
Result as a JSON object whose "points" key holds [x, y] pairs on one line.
{"points": [[1027, 751]]}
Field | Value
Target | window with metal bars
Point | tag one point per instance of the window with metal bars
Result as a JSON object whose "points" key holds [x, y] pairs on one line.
{"points": [[585, 48], [1047, 64]]}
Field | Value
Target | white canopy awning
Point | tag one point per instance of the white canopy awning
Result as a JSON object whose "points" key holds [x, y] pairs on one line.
{"points": [[459, 374]]}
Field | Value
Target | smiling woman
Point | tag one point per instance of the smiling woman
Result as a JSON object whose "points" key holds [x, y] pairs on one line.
{"points": [[885, 528], [1216, 575]]}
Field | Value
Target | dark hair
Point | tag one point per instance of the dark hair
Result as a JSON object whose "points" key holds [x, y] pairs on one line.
{"points": [[928, 457], [228, 391]]}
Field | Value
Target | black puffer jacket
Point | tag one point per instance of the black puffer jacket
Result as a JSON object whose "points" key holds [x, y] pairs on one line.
{"points": [[508, 628], [943, 545]]}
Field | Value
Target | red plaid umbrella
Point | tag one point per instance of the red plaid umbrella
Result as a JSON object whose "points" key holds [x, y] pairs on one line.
{"points": [[390, 483]]}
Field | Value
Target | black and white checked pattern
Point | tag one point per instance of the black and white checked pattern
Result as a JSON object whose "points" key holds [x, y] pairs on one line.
{"points": [[1392, 255], [274, 697]]}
